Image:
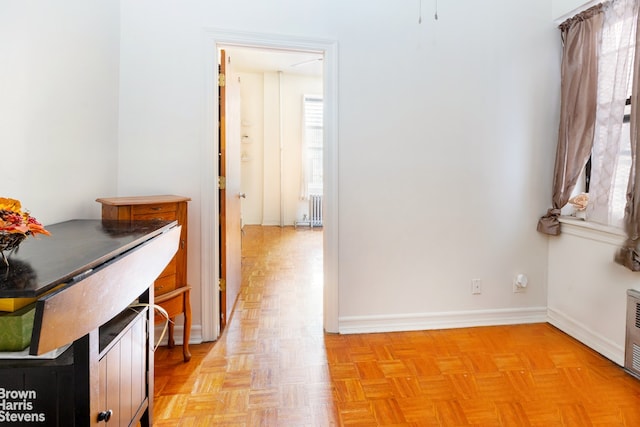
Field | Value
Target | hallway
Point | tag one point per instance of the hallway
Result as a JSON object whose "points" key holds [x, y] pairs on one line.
{"points": [[269, 366], [274, 366]]}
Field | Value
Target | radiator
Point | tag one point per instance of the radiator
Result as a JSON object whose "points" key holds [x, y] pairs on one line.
{"points": [[632, 341], [315, 210]]}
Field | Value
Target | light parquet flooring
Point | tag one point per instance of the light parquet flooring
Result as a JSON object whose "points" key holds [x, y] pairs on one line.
{"points": [[274, 366]]}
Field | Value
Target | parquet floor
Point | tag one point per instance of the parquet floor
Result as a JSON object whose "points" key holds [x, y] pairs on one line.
{"points": [[274, 366]]}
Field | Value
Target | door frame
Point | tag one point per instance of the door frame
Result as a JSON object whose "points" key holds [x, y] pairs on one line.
{"points": [[209, 208]]}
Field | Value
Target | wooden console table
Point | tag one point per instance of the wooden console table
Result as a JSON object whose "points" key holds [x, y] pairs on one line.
{"points": [[91, 358], [171, 289]]}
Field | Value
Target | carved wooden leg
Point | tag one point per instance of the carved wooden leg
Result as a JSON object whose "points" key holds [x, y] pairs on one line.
{"points": [[170, 341], [187, 326]]}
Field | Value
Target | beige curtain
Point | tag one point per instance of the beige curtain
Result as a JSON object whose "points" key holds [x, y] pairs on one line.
{"points": [[628, 254], [577, 109], [615, 69]]}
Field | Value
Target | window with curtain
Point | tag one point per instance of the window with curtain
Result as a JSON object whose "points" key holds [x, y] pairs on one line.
{"points": [[312, 146], [600, 92]]}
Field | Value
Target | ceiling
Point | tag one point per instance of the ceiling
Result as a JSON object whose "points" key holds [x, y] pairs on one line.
{"points": [[246, 59]]}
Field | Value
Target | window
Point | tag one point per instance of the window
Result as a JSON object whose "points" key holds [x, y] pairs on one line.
{"points": [[599, 93], [607, 173], [313, 143], [618, 198]]}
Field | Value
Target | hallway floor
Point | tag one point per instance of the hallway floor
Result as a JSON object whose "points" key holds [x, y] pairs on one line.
{"points": [[274, 366]]}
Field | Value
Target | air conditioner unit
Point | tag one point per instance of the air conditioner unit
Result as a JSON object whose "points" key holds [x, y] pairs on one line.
{"points": [[632, 341]]}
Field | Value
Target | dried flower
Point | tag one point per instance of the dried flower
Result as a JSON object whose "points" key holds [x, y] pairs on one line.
{"points": [[580, 201], [14, 221]]}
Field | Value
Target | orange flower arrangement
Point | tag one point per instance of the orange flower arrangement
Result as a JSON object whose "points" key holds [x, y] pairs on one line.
{"points": [[16, 225]]}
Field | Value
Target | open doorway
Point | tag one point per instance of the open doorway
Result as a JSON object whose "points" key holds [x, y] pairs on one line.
{"points": [[278, 139], [209, 208]]}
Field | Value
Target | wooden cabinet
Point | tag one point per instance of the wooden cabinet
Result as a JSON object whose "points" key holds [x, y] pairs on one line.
{"points": [[90, 359], [171, 290]]}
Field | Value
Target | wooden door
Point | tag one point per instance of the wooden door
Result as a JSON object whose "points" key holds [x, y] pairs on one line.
{"points": [[229, 167]]}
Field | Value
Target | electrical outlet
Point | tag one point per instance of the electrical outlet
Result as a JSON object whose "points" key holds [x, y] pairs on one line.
{"points": [[476, 286], [520, 283]]}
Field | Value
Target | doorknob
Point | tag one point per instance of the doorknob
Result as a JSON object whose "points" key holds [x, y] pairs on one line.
{"points": [[242, 195]]}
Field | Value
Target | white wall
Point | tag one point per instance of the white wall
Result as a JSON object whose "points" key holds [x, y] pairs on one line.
{"points": [[256, 102], [587, 289], [446, 138], [252, 149], [59, 105], [271, 151], [443, 169]]}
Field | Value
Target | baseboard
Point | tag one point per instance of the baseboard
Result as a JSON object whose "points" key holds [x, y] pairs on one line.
{"points": [[582, 333], [449, 320], [178, 330], [441, 320], [271, 224]]}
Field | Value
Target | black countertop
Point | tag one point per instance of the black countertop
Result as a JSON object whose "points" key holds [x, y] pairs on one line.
{"points": [[73, 249]]}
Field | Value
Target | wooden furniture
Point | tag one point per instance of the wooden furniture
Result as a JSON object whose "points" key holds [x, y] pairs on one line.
{"points": [[171, 289], [90, 359]]}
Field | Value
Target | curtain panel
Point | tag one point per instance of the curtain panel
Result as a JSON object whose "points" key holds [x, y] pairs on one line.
{"points": [[578, 101], [628, 255], [615, 69]]}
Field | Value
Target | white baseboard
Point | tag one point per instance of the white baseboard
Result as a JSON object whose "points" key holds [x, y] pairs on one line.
{"points": [[271, 224], [442, 320], [178, 330], [591, 339], [449, 320]]}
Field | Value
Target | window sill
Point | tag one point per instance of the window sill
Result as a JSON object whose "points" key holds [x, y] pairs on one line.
{"points": [[592, 231]]}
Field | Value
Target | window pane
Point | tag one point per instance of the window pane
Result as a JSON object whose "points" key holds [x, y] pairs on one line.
{"points": [[313, 134]]}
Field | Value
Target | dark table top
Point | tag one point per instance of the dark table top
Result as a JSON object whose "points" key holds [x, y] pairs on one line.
{"points": [[73, 249]]}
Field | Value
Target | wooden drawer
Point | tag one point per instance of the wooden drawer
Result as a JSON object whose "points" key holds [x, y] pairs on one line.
{"points": [[154, 208], [167, 216], [164, 284]]}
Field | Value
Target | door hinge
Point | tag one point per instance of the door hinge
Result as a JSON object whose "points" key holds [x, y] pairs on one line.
{"points": [[222, 284], [222, 183], [221, 80]]}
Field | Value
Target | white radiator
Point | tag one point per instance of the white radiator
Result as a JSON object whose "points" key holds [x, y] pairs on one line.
{"points": [[315, 210], [632, 344]]}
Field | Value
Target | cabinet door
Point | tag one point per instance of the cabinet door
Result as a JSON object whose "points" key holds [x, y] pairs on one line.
{"points": [[122, 376], [109, 368]]}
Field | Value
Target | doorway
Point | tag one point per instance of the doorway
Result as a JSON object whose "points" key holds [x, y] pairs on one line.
{"points": [[278, 137], [210, 237]]}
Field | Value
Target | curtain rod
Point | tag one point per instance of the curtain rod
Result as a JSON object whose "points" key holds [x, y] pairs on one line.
{"points": [[585, 14], [577, 11]]}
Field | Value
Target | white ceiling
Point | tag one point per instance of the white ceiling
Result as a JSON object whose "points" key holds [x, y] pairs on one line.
{"points": [[246, 59]]}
